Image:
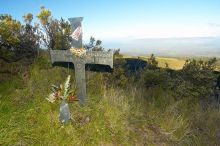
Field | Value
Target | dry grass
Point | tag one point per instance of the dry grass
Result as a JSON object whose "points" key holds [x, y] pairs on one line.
{"points": [[174, 63]]}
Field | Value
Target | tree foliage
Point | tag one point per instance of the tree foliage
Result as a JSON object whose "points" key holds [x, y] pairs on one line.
{"points": [[18, 40], [56, 33], [116, 53], [28, 17], [94, 45]]}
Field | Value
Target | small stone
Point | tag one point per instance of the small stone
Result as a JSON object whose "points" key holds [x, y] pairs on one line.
{"points": [[87, 120]]}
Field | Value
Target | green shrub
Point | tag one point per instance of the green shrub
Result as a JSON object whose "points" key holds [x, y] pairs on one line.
{"points": [[152, 62], [155, 78], [118, 77], [43, 61], [196, 79]]}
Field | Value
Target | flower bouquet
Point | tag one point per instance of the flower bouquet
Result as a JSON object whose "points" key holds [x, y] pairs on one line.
{"points": [[79, 52], [63, 93]]}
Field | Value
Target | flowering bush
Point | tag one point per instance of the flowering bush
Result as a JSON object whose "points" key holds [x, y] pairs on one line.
{"points": [[62, 92]]}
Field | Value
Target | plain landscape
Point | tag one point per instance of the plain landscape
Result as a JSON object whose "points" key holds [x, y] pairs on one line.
{"points": [[169, 47]]}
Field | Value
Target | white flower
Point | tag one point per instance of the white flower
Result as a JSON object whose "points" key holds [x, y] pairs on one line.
{"points": [[51, 98], [66, 86]]}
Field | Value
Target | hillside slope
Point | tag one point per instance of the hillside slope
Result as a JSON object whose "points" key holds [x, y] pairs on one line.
{"points": [[112, 115]]}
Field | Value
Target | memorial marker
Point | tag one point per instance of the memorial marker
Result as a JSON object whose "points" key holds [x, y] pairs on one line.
{"points": [[90, 57]]}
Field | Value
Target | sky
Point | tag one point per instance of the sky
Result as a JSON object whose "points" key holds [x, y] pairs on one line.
{"points": [[130, 19]]}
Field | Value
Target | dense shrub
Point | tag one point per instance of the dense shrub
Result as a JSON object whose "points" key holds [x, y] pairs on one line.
{"points": [[196, 79], [118, 76], [155, 78], [18, 41]]}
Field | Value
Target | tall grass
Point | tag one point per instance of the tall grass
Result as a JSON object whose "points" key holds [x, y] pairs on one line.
{"points": [[111, 116]]}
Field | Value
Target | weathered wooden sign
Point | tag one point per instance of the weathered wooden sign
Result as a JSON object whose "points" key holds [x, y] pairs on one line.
{"points": [[91, 57]]}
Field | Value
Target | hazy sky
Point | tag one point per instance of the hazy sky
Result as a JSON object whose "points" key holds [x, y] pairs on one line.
{"points": [[123, 19]]}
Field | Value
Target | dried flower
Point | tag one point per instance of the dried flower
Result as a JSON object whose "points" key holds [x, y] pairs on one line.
{"points": [[51, 98], [72, 98], [78, 51]]}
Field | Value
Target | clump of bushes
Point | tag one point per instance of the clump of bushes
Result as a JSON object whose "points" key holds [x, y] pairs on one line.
{"points": [[118, 77], [196, 79], [153, 79]]}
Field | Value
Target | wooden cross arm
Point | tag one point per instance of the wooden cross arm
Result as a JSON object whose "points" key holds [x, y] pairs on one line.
{"points": [[100, 57], [61, 56], [91, 57]]}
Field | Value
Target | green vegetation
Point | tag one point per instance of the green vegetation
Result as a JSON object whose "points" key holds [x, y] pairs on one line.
{"points": [[126, 113], [18, 41], [56, 32], [150, 106]]}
